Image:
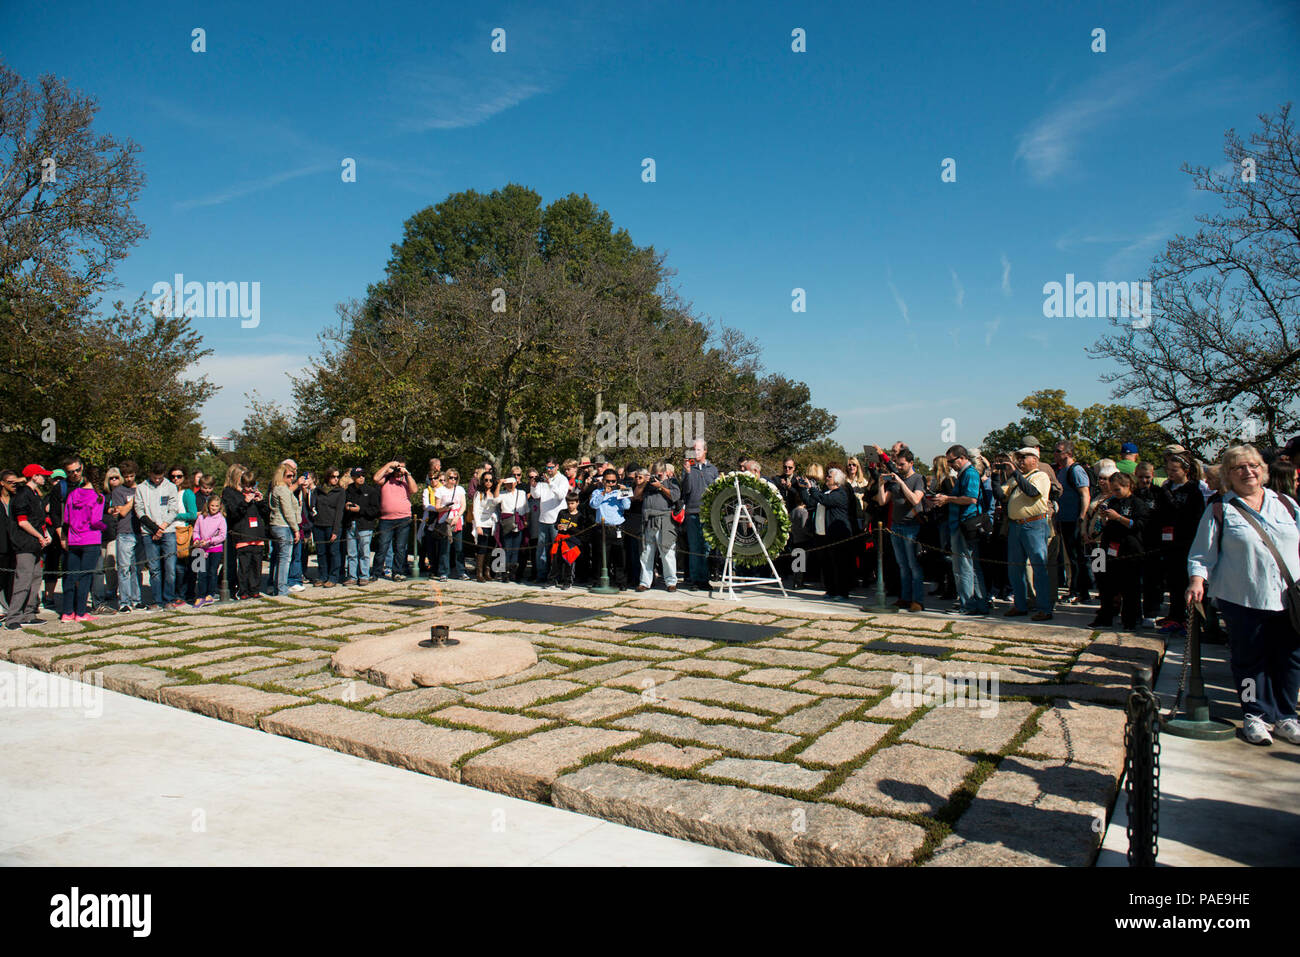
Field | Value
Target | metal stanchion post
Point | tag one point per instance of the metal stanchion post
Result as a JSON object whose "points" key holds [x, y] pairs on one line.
{"points": [[226, 568], [1195, 721], [1142, 771], [604, 587], [880, 607]]}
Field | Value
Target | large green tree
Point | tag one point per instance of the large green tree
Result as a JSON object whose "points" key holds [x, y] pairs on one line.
{"points": [[503, 328], [1097, 431], [107, 386]]}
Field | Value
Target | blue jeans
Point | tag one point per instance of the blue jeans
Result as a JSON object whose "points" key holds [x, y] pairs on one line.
{"points": [[1028, 541], [545, 539], [911, 580], [390, 555], [209, 579], [698, 560], [1265, 657], [295, 564], [328, 565], [162, 551], [281, 556], [510, 542], [968, 574], [79, 566], [358, 566], [128, 575]]}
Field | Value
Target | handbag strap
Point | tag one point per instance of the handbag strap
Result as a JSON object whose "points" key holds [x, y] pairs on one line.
{"points": [[1290, 582]]}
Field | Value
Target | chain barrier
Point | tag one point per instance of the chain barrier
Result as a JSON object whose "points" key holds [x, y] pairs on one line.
{"points": [[1142, 771]]}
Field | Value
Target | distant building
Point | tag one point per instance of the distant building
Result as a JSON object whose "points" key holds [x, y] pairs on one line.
{"points": [[222, 443]]}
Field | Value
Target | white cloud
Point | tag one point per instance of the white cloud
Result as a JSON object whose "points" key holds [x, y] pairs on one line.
{"points": [[902, 306], [256, 186], [238, 375], [1006, 275], [961, 292], [450, 102], [989, 329]]}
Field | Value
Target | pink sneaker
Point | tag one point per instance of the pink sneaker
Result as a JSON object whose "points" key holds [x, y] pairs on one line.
{"points": [[67, 618], [87, 618]]}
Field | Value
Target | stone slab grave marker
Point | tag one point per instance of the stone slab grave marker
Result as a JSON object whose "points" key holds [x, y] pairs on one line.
{"points": [[416, 657]]}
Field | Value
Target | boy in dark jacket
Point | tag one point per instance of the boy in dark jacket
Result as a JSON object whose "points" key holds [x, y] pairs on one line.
{"points": [[567, 544]]}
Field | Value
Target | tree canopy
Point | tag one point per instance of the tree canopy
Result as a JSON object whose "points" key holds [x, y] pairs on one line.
{"points": [[503, 328], [74, 382], [1097, 431], [1220, 360]]}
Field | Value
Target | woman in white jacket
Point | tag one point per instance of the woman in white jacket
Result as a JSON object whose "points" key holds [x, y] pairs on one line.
{"points": [[486, 513], [514, 510]]}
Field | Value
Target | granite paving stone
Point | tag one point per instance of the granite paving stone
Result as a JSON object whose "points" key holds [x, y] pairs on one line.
{"points": [[419, 701], [738, 819], [491, 720], [773, 774], [526, 767], [816, 717], [969, 728], [906, 779], [233, 703], [747, 741], [523, 695], [1042, 810], [593, 706], [401, 742], [665, 755], [844, 742]]}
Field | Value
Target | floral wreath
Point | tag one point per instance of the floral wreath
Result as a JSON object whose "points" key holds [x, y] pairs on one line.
{"points": [[778, 529]]}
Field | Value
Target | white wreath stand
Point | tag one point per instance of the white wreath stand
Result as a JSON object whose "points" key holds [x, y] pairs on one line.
{"points": [[730, 580]]}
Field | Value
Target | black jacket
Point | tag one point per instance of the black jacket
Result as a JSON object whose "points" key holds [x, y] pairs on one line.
{"points": [[328, 505], [1128, 537], [366, 496], [239, 511], [836, 501]]}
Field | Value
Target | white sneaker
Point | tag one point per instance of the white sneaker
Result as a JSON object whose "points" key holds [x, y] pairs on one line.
{"points": [[1288, 729], [1148, 622], [1256, 731], [297, 588]]}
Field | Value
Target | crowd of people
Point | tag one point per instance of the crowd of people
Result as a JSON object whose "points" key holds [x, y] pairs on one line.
{"points": [[1007, 528]]}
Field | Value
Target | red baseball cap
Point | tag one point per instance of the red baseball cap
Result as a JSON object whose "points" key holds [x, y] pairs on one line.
{"points": [[33, 469]]}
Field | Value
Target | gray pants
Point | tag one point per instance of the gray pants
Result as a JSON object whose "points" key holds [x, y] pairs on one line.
{"points": [[27, 588]]}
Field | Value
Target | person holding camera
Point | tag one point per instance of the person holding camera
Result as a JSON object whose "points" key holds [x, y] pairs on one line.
{"points": [[965, 530], [659, 498], [832, 520], [904, 489], [1029, 513], [610, 503], [395, 490], [487, 510], [550, 492]]}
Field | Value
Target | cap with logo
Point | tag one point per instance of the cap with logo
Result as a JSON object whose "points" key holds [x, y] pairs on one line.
{"points": [[1128, 448], [358, 472]]}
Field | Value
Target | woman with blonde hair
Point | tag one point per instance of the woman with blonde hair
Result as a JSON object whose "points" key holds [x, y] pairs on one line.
{"points": [[942, 482], [1246, 551], [286, 514]]}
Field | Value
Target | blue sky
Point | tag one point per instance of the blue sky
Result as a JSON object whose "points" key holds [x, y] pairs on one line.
{"points": [[775, 169]]}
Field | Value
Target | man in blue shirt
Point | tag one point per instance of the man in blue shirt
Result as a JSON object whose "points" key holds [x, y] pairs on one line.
{"points": [[971, 594], [1076, 496], [610, 502]]}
